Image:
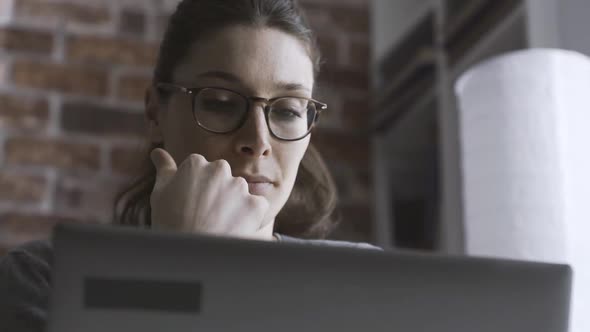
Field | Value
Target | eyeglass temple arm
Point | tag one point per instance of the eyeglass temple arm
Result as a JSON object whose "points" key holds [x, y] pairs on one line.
{"points": [[172, 87]]}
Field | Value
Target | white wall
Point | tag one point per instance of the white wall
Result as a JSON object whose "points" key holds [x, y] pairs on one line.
{"points": [[574, 21], [526, 163], [560, 24]]}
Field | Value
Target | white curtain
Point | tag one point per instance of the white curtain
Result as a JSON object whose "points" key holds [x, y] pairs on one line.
{"points": [[525, 142]]}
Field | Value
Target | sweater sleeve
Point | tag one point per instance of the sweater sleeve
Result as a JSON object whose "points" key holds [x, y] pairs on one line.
{"points": [[24, 287]]}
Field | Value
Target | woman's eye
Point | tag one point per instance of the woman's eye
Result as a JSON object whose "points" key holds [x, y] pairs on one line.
{"points": [[287, 113]]}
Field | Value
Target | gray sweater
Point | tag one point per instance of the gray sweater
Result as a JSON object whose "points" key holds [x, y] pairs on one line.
{"points": [[25, 282]]}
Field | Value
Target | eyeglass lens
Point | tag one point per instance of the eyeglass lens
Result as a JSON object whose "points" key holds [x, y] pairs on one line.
{"points": [[222, 111]]}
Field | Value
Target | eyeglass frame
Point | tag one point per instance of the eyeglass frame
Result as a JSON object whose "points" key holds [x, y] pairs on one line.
{"points": [[193, 93]]}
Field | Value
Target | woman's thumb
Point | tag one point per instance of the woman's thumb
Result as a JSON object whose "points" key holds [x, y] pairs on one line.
{"points": [[165, 167]]}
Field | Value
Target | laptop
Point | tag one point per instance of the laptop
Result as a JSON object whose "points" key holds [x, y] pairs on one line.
{"points": [[119, 279]]}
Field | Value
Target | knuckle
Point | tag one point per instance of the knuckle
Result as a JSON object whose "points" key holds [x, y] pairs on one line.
{"points": [[196, 159], [241, 184], [241, 181], [221, 166]]}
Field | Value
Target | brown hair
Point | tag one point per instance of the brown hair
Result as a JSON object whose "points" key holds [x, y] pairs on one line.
{"points": [[308, 211]]}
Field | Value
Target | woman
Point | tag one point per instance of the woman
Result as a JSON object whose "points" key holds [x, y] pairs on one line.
{"points": [[230, 114]]}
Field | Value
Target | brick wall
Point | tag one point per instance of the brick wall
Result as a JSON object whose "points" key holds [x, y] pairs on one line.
{"points": [[72, 78]]}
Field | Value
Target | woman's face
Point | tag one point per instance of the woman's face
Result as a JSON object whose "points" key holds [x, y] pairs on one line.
{"points": [[259, 62]]}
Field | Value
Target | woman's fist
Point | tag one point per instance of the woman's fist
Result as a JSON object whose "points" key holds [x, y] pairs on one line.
{"points": [[203, 197]]}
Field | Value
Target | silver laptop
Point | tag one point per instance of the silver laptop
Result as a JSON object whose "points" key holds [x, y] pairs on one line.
{"points": [[120, 279]]}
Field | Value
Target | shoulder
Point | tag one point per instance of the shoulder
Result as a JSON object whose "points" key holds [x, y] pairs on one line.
{"points": [[32, 260], [24, 284], [328, 243]]}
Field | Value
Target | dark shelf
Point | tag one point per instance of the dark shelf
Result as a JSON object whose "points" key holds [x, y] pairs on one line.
{"points": [[407, 101], [396, 103], [420, 38], [472, 23], [407, 71]]}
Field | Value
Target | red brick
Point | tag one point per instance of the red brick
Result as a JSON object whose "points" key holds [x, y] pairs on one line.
{"points": [[4, 70], [18, 228], [341, 147], [87, 118], [62, 11], [133, 87], [108, 51], [132, 23], [51, 152], [162, 25], [352, 183], [318, 17], [128, 160], [23, 40], [23, 112], [59, 77], [365, 178], [354, 20], [340, 77], [338, 17], [360, 54], [330, 117], [356, 223], [356, 113], [3, 250], [22, 188], [91, 200], [329, 48], [342, 181]]}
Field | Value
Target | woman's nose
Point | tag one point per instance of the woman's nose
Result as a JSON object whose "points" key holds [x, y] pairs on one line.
{"points": [[253, 138]]}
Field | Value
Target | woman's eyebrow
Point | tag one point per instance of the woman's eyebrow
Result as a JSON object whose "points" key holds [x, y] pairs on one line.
{"points": [[235, 79], [292, 86], [220, 75]]}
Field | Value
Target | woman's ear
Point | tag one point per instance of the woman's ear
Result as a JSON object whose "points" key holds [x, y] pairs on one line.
{"points": [[153, 115]]}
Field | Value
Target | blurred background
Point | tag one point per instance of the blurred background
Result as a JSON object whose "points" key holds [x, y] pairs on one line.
{"points": [[73, 75]]}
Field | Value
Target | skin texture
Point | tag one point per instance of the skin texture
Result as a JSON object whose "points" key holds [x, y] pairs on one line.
{"points": [[201, 185]]}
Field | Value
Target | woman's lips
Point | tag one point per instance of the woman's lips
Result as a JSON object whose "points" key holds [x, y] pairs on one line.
{"points": [[258, 184], [259, 188]]}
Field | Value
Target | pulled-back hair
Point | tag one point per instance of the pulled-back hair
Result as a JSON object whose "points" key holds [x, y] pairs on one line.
{"points": [[308, 211]]}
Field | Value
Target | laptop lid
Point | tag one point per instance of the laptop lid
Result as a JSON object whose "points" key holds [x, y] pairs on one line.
{"points": [[120, 279]]}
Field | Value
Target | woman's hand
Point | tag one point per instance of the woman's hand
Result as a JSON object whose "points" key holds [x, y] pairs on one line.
{"points": [[203, 197]]}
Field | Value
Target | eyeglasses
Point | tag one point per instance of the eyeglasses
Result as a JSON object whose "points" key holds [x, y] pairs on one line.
{"points": [[222, 111]]}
